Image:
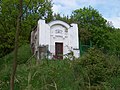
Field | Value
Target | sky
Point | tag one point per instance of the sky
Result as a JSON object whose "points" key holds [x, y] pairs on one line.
{"points": [[110, 9]]}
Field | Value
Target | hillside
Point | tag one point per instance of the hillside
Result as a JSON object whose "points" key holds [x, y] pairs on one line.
{"points": [[98, 67], [93, 71]]}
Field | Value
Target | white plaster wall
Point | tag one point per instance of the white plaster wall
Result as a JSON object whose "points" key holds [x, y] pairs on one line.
{"points": [[74, 39], [42, 34], [47, 35], [59, 37]]}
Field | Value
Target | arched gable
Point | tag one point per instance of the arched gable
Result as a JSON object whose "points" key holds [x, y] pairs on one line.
{"points": [[58, 22]]}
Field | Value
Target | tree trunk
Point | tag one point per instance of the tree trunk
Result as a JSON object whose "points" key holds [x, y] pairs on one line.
{"points": [[16, 47]]}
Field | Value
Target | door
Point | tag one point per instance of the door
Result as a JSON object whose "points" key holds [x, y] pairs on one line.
{"points": [[59, 50]]}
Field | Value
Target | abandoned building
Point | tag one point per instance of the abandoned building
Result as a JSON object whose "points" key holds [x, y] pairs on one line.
{"points": [[54, 40]]}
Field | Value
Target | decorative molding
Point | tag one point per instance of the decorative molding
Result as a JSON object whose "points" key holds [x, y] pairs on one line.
{"points": [[58, 31]]}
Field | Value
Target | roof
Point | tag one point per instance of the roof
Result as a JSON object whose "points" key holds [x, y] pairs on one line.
{"points": [[59, 22]]}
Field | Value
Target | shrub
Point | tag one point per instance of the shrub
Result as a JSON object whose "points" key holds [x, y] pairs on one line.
{"points": [[95, 68]]}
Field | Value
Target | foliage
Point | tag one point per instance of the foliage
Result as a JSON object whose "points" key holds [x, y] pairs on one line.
{"points": [[24, 54], [88, 16], [28, 73], [64, 18], [96, 69], [32, 11], [94, 26], [49, 75], [114, 43]]}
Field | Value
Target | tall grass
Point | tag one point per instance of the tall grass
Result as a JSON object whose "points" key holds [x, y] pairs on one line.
{"points": [[93, 71]]}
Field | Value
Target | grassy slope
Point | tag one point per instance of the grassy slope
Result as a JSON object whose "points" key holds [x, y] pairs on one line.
{"points": [[6, 63], [61, 74]]}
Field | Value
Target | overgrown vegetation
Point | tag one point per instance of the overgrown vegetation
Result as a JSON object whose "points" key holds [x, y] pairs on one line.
{"points": [[94, 70], [8, 19], [97, 69]]}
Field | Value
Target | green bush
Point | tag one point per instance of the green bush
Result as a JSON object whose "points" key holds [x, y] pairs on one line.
{"points": [[96, 68], [24, 53], [48, 75]]}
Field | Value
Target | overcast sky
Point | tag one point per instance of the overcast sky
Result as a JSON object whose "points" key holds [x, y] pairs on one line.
{"points": [[110, 9]]}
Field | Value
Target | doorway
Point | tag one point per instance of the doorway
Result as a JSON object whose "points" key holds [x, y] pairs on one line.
{"points": [[58, 50]]}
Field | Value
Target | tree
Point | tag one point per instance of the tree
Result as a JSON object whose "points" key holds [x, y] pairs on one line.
{"points": [[10, 23], [93, 23], [88, 16], [16, 46], [97, 70], [37, 9], [114, 43]]}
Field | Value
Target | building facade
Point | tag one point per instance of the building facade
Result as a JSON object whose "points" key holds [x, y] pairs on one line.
{"points": [[54, 40]]}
